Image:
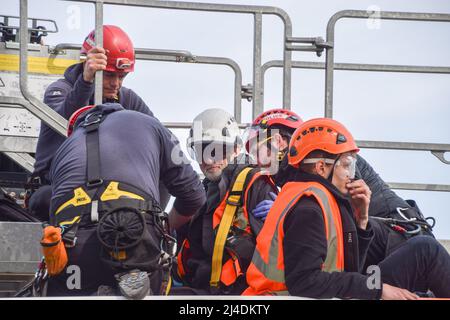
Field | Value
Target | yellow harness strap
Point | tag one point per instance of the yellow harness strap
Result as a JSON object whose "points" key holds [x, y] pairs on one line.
{"points": [[225, 225]]}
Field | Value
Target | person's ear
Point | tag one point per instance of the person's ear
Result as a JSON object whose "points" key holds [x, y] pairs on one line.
{"points": [[320, 169], [280, 143]]}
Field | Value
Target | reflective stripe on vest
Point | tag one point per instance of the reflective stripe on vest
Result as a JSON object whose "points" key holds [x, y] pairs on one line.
{"points": [[266, 275]]}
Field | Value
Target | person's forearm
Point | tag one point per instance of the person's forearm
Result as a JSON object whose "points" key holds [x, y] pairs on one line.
{"points": [[78, 97], [177, 220], [362, 223]]}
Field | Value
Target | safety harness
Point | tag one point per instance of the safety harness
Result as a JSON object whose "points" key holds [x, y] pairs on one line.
{"points": [[234, 241], [102, 202], [233, 202]]}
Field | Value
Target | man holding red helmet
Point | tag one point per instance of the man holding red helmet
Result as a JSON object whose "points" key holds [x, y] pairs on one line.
{"points": [[116, 59]]}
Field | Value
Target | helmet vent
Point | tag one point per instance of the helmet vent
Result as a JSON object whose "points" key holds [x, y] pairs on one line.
{"points": [[341, 139], [293, 152], [225, 132]]}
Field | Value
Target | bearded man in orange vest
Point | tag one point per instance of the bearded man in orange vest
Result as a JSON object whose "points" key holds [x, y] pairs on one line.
{"points": [[317, 233]]}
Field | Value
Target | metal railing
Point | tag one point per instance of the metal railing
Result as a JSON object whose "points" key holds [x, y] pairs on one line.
{"points": [[56, 122], [180, 56], [438, 150], [256, 11], [361, 14]]}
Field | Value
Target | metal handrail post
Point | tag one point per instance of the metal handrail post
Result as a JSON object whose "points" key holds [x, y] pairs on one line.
{"points": [[361, 14], [227, 8], [98, 94], [36, 107]]}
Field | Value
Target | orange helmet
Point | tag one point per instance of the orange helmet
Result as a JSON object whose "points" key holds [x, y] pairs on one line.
{"points": [[74, 117], [320, 134]]}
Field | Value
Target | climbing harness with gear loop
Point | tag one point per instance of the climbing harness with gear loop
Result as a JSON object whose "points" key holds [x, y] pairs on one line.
{"points": [[232, 239], [131, 226], [405, 223]]}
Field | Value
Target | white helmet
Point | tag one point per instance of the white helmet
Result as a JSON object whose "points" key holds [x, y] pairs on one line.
{"points": [[213, 126]]}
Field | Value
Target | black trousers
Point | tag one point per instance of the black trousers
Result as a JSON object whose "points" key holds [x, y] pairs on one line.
{"points": [[85, 271], [421, 263]]}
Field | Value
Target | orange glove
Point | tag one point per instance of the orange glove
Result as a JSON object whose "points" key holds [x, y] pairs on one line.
{"points": [[54, 250]]}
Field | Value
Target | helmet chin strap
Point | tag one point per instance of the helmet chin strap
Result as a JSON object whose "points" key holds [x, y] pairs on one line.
{"points": [[282, 152], [330, 177]]}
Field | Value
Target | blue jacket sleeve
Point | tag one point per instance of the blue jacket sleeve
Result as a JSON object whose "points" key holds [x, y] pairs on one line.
{"points": [[179, 177], [65, 99], [132, 101]]}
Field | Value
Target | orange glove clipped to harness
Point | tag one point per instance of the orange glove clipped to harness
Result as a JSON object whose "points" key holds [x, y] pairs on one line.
{"points": [[54, 250]]}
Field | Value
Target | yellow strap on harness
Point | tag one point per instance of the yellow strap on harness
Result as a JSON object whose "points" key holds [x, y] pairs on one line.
{"points": [[113, 192], [225, 225], [80, 198]]}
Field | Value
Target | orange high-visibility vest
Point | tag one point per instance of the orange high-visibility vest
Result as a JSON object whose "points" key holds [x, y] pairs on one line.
{"points": [[265, 274], [227, 272]]}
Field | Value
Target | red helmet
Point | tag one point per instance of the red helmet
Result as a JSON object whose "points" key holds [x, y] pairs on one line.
{"points": [[74, 117], [279, 117], [320, 134], [118, 46]]}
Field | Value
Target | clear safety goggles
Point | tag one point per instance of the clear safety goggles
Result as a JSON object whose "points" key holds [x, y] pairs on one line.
{"points": [[211, 152], [345, 166]]}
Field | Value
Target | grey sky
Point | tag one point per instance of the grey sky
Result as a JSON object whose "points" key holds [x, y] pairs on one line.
{"points": [[374, 106]]}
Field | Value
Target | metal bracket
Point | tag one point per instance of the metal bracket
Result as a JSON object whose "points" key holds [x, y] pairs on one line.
{"points": [[318, 45], [247, 92], [441, 156], [36, 32]]}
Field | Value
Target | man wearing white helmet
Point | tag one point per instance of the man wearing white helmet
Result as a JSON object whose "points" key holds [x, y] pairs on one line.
{"points": [[221, 237]]}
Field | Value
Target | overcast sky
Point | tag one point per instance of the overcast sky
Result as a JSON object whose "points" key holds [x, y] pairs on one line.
{"points": [[374, 106]]}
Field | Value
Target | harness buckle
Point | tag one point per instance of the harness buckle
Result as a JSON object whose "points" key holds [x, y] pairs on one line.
{"points": [[92, 118], [235, 200], [94, 183], [69, 238]]}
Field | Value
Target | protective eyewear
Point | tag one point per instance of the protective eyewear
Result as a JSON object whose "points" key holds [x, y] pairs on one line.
{"points": [[345, 166], [210, 152]]}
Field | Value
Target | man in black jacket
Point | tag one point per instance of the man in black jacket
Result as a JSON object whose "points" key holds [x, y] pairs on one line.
{"points": [[268, 140], [321, 216]]}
